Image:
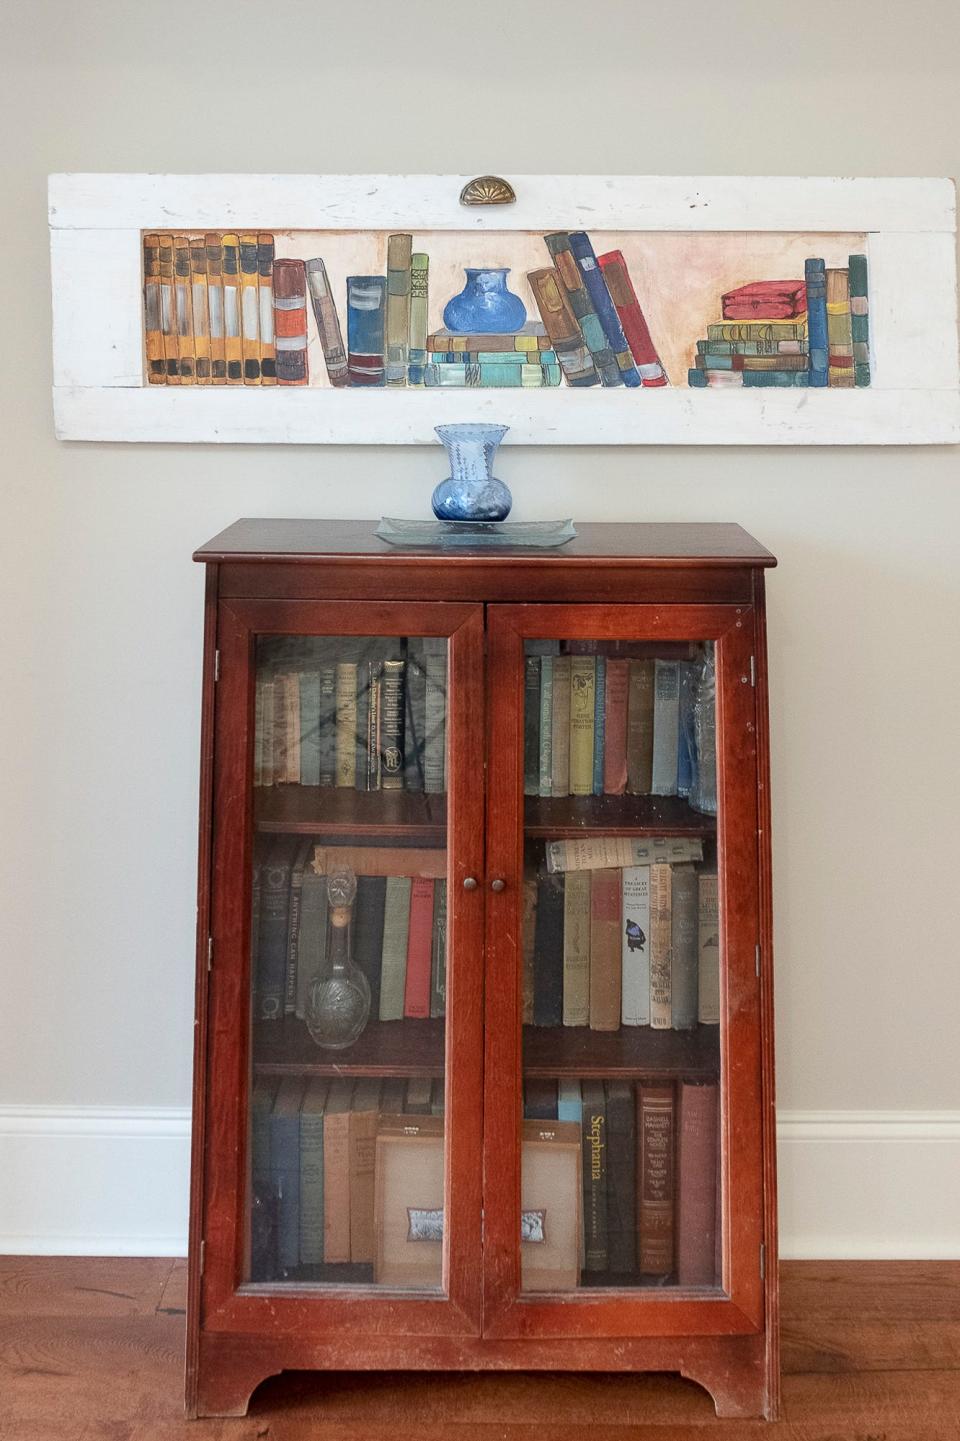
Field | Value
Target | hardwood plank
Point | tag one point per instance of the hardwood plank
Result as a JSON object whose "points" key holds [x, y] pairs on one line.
{"points": [[76, 1286]]}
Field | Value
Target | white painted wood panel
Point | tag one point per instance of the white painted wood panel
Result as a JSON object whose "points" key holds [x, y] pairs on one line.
{"points": [[913, 310], [97, 323]]}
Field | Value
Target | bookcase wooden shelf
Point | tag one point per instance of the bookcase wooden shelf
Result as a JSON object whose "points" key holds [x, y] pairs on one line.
{"points": [[547, 1139]]}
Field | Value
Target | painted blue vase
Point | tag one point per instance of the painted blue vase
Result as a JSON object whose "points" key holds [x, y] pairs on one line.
{"points": [[485, 306], [471, 492]]}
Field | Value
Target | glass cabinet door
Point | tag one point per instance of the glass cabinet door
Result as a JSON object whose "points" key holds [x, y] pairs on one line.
{"points": [[624, 858]]}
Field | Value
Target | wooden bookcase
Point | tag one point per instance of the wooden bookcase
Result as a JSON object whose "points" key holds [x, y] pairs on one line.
{"points": [[271, 1286]]}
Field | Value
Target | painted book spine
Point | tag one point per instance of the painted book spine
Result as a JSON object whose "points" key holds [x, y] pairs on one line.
{"points": [[582, 715], [249, 309], [594, 1141], [621, 1178], [218, 354], [840, 370], [632, 319], [816, 283], [419, 300], [232, 339], [152, 328], [708, 950], [416, 993], [290, 321], [561, 326], [548, 952], [531, 726], [396, 924], [201, 312], [605, 964], [266, 254], [168, 311], [766, 299], [769, 331], [560, 738], [635, 947], [397, 324], [860, 320], [666, 727], [576, 949], [582, 306], [585, 256], [661, 935], [366, 301], [697, 1167], [656, 1153], [183, 300], [346, 732], [683, 948], [546, 724], [328, 323], [599, 725]]}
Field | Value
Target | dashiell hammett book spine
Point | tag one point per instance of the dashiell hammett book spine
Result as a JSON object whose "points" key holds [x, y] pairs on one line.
{"points": [[268, 347], [201, 315], [290, 321], [561, 326], [249, 310], [218, 354], [328, 323], [583, 308], [152, 330], [632, 319], [585, 256], [183, 300], [366, 297]]}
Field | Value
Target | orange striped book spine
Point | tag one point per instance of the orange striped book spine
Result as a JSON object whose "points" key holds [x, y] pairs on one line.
{"points": [[201, 318], [231, 308], [290, 321], [184, 308], [218, 353], [168, 311], [152, 330], [268, 349]]}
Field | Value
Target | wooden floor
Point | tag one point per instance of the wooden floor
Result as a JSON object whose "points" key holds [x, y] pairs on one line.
{"points": [[93, 1349]]}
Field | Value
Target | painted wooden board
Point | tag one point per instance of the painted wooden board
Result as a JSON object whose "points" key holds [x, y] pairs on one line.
{"points": [[683, 238]]}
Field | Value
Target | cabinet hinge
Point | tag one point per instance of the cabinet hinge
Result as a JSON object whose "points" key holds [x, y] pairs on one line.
{"points": [[756, 958], [753, 669], [209, 953], [216, 665], [763, 1261], [203, 1255]]}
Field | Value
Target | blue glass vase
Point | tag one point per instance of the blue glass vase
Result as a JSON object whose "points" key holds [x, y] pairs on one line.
{"points": [[471, 491], [485, 306]]}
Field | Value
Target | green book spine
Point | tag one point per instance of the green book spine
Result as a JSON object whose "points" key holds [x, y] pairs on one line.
{"points": [[435, 737], [327, 724], [438, 959], [419, 297], [860, 320], [546, 725], [311, 1172], [310, 728], [531, 726], [399, 249], [396, 924], [293, 926]]}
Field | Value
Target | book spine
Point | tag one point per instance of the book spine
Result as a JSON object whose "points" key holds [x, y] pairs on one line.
{"points": [[569, 1101], [582, 712], [266, 252], [397, 324], [604, 852], [621, 1178], [435, 739], [548, 952], [438, 952], [268, 686], [419, 300], [391, 733], [232, 339], [816, 283], [309, 728], [201, 313], [366, 303], [683, 948], [327, 724], [546, 724], [686, 745], [396, 924], [328, 323], [635, 947], [291, 723], [218, 355], [764, 330], [272, 947], [336, 1186], [560, 726], [249, 309], [655, 1177], [561, 325], [364, 738], [285, 1169], [585, 256], [666, 727], [578, 298], [152, 328], [859, 320], [531, 726], [414, 740], [183, 300], [697, 1169], [576, 949], [632, 319], [368, 933], [615, 727], [293, 928], [346, 734], [708, 950], [599, 726], [416, 994], [540, 1100], [605, 963], [312, 941], [661, 964], [258, 732], [168, 310], [290, 321], [527, 946], [311, 1175], [840, 370], [362, 1143], [640, 705], [594, 1141]]}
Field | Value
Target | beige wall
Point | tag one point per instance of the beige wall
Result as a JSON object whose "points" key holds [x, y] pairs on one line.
{"points": [[103, 606]]}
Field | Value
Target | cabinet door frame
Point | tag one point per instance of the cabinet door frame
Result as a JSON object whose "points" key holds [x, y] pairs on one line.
{"points": [[227, 1302], [738, 1307]]}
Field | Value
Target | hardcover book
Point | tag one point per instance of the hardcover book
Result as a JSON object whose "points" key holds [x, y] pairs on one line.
{"points": [[419, 295], [818, 342], [582, 703], [666, 727], [416, 997], [585, 256], [336, 1171], [708, 950], [435, 743], [683, 948], [596, 853], [201, 318], [531, 725], [328, 323], [655, 1177], [268, 341], [183, 302], [233, 343], [300, 862], [364, 1116], [548, 952], [635, 947], [594, 1142], [599, 725], [840, 369], [250, 309], [399, 251], [438, 951], [640, 704], [561, 727], [311, 1171], [312, 944], [546, 724], [346, 726], [661, 963], [368, 920], [632, 319], [152, 330], [576, 948], [289, 320], [859, 319], [366, 303], [765, 300], [218, 354], [285, 1169], [580, 302], [396, 923], [561, 325], [540, 1100], [697, 1165], [621, 1178], [391, 738], [271, 966], [604, 949], [615, 727]]}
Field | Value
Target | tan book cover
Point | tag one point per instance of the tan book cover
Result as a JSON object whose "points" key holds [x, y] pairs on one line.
{"points": [[381, 860], [551, 1206], [408, 1202], [336, 1172], [576, 948], [598, 853], [605, 969], [346, 731], [661, 956], [583, 698], [708, 950], [363, 1138], [640, 727], [560, 727], [290, 760]]}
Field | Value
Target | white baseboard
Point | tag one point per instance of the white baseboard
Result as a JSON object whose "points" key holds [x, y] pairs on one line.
{"points": [[107, 1180]]}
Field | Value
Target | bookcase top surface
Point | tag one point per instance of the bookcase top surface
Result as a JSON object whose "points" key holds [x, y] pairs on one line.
{"points": [[276, 540]]}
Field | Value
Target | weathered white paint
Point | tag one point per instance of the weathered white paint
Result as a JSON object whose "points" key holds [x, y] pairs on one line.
{"points": [[913, 310], [97, 323]]}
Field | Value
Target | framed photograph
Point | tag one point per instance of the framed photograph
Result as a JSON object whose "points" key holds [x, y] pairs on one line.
{"points": [[408, 1203]]}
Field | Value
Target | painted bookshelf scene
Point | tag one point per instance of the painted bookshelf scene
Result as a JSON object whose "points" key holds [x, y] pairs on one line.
{"points": [[348, 917], [639, 310], [621, 964]]}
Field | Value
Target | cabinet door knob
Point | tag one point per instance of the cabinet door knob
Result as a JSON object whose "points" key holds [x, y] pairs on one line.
{"points": [[469, 883], [498, 884]]}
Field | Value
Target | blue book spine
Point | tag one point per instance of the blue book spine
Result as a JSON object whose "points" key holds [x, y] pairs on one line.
{"points": [[688, 680], [599, 724], [310, 728], [760, 379], [285, 1171], [697, 379], [815, 276], [366, 309], [585, 256]]}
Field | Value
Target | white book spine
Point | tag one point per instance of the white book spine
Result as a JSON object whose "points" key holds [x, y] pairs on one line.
{"points": [[635, 939], [666, 727]]}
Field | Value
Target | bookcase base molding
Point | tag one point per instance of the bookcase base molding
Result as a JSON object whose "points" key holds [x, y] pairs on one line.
{"points": [[484, 1004]]}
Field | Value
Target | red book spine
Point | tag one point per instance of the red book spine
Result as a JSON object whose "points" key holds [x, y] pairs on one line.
{"points": [[290, 321], [698, 1162], [766, 300], [632, 319], [615, 728], [655, 1177], [416, 994]]}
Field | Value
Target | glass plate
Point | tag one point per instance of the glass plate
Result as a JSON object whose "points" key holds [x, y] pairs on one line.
{"points": [[500, 533]]}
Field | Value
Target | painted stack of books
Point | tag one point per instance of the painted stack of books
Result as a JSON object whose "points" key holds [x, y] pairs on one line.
{"points": [[399, 932], [810, 332], [368, 715], [650, 1173], [523, 359], [609, 724], [621, 932], [313, 1145]]}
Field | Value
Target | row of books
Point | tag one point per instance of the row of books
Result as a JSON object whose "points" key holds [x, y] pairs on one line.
{"points": [[398, 934], [606, 725], [650, 1173], [810, 332], [632, 946], [313, 1165], [359, 716]]}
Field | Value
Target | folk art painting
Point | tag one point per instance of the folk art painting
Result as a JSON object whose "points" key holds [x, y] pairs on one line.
{"points": [[267, 308]]}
